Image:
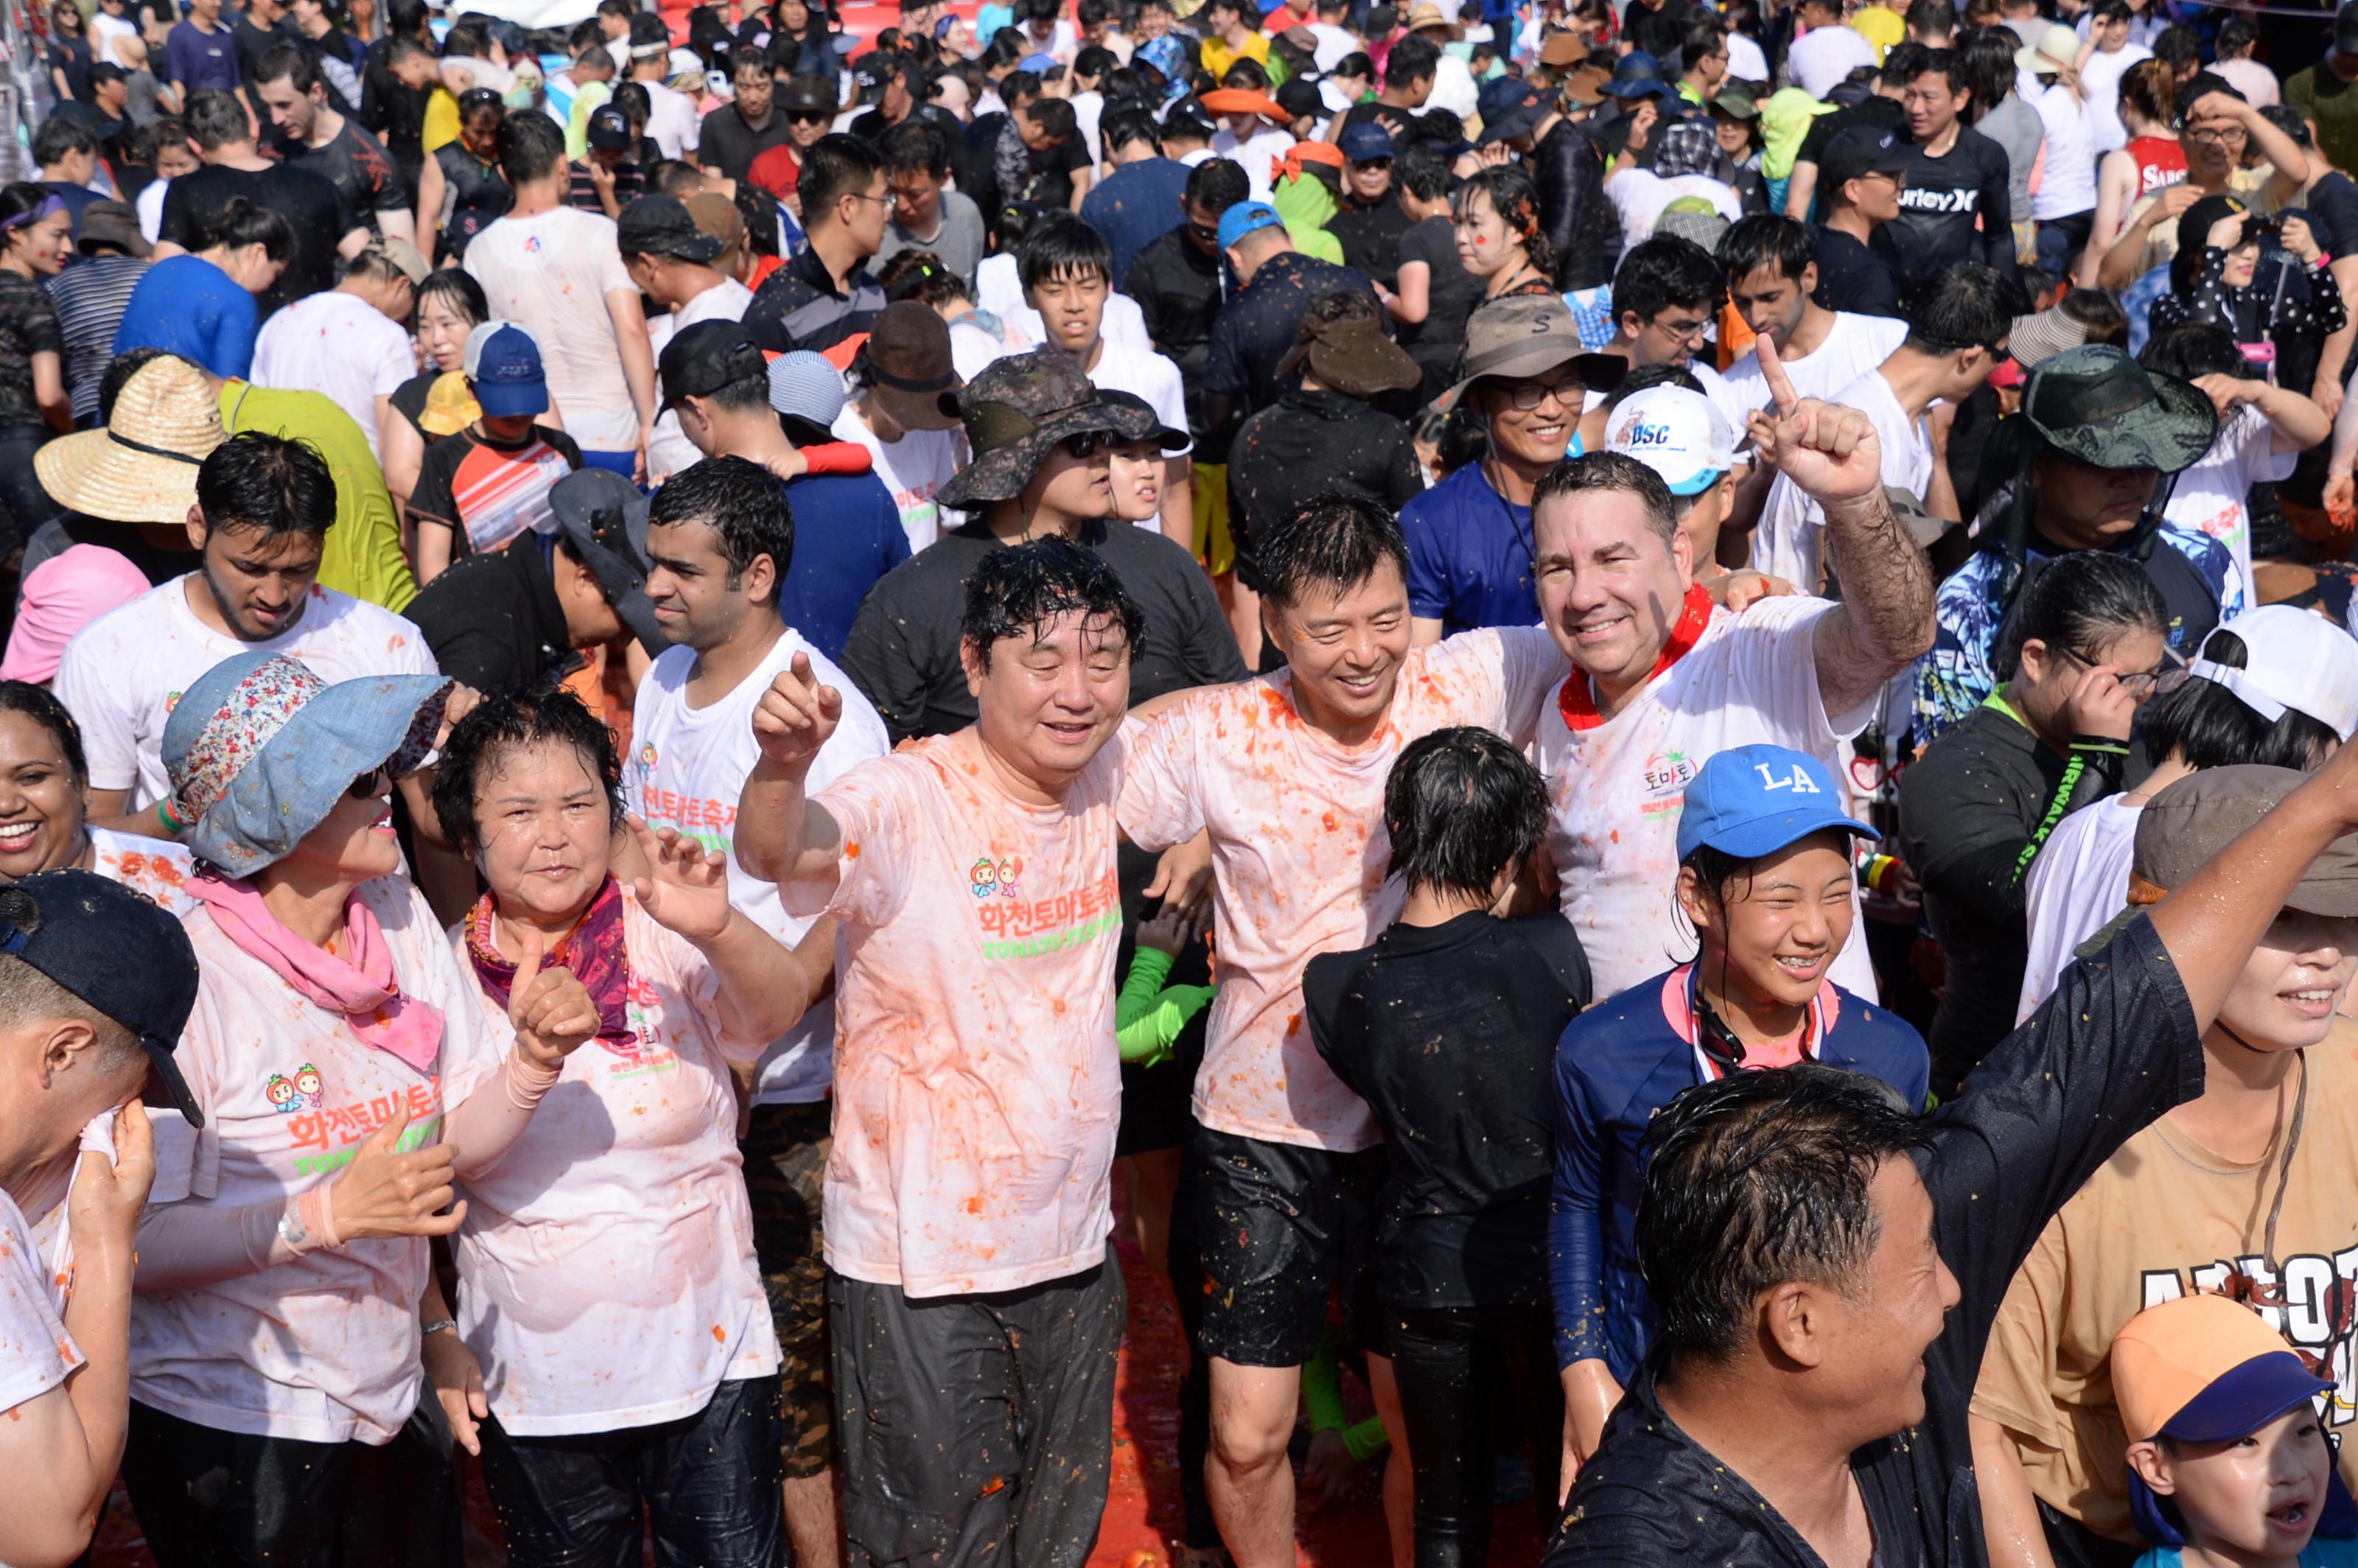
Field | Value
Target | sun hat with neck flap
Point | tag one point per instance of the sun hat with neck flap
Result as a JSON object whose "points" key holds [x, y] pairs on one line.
{"points": [[142, 467], [1016, 408], [260, 749]]}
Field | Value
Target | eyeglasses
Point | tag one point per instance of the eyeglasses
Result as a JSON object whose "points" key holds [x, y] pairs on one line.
{"points": [[1089, 444], [368, 783], [2222, 135], [1527, 396], [2159, 681], [862, 196], [1684, 332]]}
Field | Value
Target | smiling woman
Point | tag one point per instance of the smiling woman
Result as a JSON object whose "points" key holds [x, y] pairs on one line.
{"points": [[43, 785]]}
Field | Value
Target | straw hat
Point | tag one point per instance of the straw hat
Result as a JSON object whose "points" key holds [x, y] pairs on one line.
{"points": [[143, 466]]}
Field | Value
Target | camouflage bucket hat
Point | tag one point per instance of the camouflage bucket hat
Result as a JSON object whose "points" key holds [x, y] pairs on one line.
{"points": [[1015, 410], [2097, 405]]}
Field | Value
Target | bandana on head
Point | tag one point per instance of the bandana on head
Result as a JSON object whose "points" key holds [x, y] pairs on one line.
{"points": [[257, 708], [593, 950]]}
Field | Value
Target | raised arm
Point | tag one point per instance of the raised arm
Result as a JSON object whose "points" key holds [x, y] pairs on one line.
{"points": [[1885, 620], [763, 989], [781, 835]]}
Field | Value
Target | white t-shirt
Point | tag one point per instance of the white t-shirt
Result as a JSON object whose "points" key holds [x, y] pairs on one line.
{"points": [[1745, 61], [122, 672], [340, 344], [1820, 59], [1123, 325], [150, 207], [606, 1271], [550, 273], [1639, 195], [1853, 345], [2100, 85], [1790, 541], [671, 451], [2255, 81], [914, 468], [672, 120], [2080, 881], [1335, 45], [973, 347], [104, 30], [1145, 374], [2214, 496], [1615, 789], [37, 1354], [1088, 108], [1453, 87], [156, 867], [323, 1348], [1731, 404], [2067, 168], [1254, 154], [687, 767]]}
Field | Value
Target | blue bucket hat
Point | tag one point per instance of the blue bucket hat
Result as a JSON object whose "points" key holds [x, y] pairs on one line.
{"points": [[1637, 75], [260, 749], [1754, 800]]}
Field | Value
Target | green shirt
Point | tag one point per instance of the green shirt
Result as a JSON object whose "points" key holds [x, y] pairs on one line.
{"points": [[2316, 94], [363, 555]]}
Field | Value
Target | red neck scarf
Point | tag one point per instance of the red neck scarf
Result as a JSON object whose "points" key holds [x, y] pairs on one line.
{"points": [[593, 950], [1577, 697]]}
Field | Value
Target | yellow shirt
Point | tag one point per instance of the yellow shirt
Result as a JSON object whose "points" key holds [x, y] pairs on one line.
{"points": [[1879, 26], [1217, 56], [2165, 1217], [363, 555], [442, 123]]}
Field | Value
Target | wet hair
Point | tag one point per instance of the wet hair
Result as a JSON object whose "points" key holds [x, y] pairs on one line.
{"points": [[60, 137], [1901, 63], [1421, 171], [835, 167], [40, 705], [1461, 805], [675, 177], [1054, 116], [1947, 64], [216, 119], [1217, 184], [2178, 46], [241, 223], [1664, 271], [457, 288], [256, 480], [2077, 603], [2204, 725], [1967, 305], [1758, 1179], [20, 196], [1617, 472], [1411, 59], [923, 276], [530, 147], [1246, 73], [744, 506], [1767, 240], [1986, 60], [2236, 35], [121, 369], [636, 102], [296, 64], [502, 724], [1064, 246], [1017, 592], [2100, 315], [1515, 198], [1121, 127], [2193, 351], [2290, 120], [1334, 539], [1703, 39], [915, 144]]}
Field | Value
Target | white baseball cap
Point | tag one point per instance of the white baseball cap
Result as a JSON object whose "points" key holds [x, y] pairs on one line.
{"points": [[2292, 659], [1676, 433]]}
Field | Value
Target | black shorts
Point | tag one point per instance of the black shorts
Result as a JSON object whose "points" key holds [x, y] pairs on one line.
{"points": [[1282, 1229]]}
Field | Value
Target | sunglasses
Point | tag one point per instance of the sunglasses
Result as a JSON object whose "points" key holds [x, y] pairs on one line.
{"points": [[1089, 444], [368, 783], [807, 117]]}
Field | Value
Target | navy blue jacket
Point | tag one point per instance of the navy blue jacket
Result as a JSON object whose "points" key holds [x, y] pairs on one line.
{"points": [[1618, 1064]]}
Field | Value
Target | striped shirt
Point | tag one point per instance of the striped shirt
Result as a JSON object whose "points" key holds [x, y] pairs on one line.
{"points": [[488, 493], [90, 296]]}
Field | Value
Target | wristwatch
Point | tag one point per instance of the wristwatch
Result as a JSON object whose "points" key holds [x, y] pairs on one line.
{"points": [[426, 1330]]}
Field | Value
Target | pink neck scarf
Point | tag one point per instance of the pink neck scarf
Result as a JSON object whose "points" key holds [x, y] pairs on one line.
{"points": [[363, 989]]}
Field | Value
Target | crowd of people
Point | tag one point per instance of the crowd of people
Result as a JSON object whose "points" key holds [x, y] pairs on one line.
{"points": [[1621, 726]]}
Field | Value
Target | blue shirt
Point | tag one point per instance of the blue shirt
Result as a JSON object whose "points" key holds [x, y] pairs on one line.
{"points": [[1136, 207], [2317, 1553], [1619, 1064], [187, 306], [198, 59], [847, 535], [1469, 556]]}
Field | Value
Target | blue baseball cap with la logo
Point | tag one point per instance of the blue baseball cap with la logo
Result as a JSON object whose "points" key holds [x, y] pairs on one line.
{"points": [[1751, 801]]}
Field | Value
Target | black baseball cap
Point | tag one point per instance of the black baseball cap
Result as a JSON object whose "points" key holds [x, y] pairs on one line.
{"points": [[660, 225], [119, 951], [707, 357], [1860, 151], [608, 128]]}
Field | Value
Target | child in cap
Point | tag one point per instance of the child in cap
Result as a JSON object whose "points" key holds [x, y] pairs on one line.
{"points": [[2233, 1464], [1765, 878], [1666, 422], [481, 488]]}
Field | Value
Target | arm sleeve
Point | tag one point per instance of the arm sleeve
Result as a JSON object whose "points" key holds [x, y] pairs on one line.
{"points": [[878, 659], [1576, 1217], [186, 1245], [1210, 645], [1429, 560], [1148, 1016], [1161, 801], [233, 332], [83, 684], [2113, 1049]]}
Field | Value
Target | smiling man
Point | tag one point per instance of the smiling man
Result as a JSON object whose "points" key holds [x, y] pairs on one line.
{"points": [[260, 514], [1287, 773], [1807, 1402], [1662, 678]]}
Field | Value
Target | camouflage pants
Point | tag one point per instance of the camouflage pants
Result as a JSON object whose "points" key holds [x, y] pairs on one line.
{"points": [[785, 1151]]}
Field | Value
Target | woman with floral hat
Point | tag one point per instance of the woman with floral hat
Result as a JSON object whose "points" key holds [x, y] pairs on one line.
{"points": [[274, 1369]]}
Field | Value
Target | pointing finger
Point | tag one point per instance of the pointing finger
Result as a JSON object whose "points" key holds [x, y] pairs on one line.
{"points": [[1772, 370]]}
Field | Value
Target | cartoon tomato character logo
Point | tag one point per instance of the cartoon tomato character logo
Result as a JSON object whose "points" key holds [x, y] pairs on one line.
{"points": [[282, 1094], [307, 1084], [985, 877], [1009, 870]]}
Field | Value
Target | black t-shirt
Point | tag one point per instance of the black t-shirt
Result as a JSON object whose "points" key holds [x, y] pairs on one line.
{"points": [[1660, 32], [1850, 276], [409, 398], [1956, 207], [1451, 295], [494, 620], [2332, 207], [251, 43], [1448, 1033], [29, 325], [316, 210], [357, 165], [1370, 237], [437, 498], [903, 652], [395, 113], [71, 56], [727, 144], [1399, 122]]}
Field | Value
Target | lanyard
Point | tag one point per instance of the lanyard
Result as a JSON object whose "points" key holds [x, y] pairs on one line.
{"points": [[1577, 702], [1717, 1050]]}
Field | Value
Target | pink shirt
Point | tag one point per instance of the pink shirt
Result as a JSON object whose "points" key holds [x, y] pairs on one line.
{"points": [[606, 1272], [1300, 855], [977, 1079], [323, 1348]]}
